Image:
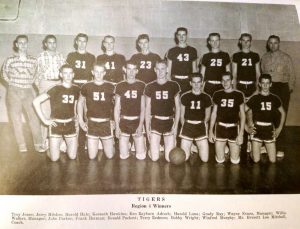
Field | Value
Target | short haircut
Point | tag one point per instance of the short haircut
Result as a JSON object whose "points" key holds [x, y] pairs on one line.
{"points": [[213, 35], [102, 44], [265, 76], [161, 62], [131, 62], [274, 37], [181, 29], [49, 36], [195, 75], [77, 37], [65, 66], [227, 74], [21, 36], [100, 64], [140, 37]]}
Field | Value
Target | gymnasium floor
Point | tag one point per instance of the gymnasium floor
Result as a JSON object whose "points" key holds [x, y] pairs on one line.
{"points": [[33, 173]]}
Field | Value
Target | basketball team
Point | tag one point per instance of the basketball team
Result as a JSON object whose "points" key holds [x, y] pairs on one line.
{"points": [[151, 105]]}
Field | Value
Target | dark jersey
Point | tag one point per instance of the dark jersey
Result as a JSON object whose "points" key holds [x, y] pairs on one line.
{"points": [[162, 97], [146, 64], [62, 101], [246, 65], [195, 105], [228, 105], [215, 64], [264, 108], [130, 97], [182, 60], [99, 99], [113, 65], [82, 65]]}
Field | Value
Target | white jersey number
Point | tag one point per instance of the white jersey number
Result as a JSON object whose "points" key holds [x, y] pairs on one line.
{"points": [[197, 107], [161, 95], [246, 62], [68, 98], [266, 106], [80, 64], [227, 102], [110, 65], [131, 94], [145, 64], [183, 57], [98, 96], [216, 62]]}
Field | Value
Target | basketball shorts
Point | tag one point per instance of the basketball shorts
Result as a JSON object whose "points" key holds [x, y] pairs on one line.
{"points": [[161, 127], [129, 127], [226, 131], [264, 133], [102, 130], [247, 89], [183, 83], [211, 88], [63, 129], [193, 131]]}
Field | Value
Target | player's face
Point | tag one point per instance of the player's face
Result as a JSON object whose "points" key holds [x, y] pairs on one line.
{"points": [[67, 75], [226, 82], [131, 71], [181, 36], [144, 44], [265, 85], [214, 42], [51, 44], [98, 73], [109, 44], [273, 44], [22, 44], [81, 43], [245, 42], [161, 70], [196, 83]]}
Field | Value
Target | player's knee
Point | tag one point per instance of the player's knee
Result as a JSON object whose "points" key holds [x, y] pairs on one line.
{"points": [[235, 160], [220, 160], [72, 156]]}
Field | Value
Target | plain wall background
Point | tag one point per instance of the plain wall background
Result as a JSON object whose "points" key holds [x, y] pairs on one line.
{"points": [[128, 18]]}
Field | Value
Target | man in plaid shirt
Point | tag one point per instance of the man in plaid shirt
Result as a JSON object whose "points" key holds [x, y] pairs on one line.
{"points": [[19, 73]]}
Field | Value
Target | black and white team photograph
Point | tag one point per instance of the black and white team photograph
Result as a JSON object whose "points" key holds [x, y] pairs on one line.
{"points": [[150, 97]]}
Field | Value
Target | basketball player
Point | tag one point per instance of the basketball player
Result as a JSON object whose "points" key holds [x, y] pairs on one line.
{"points": [[162, 111], [129, 112], [214, 64], [145, 59], [62, 122], [114, 62], [227, 120], [97, 95], [82, 63], [182, 60], [194, 115], [245, 67], [49, 63], [262, 108]]}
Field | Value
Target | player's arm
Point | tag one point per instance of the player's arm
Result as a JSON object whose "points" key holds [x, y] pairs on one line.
{"points": [[37, 105], [148, 116], [291, 73], [282, 118], [203, 69], [182, 112], [80, 112], [257, 71], [213, 118], [177, 114], [249, 124], [139, 130], [228, 67], [117, 111], [234, 74], [240, 137], [207, 114], [4, 72], [169, 68], [195, 67]]}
